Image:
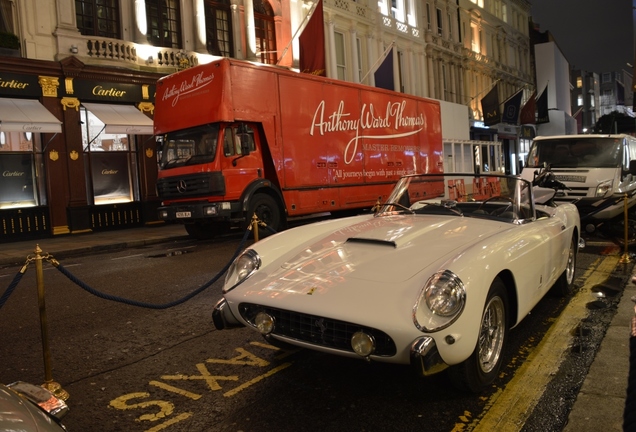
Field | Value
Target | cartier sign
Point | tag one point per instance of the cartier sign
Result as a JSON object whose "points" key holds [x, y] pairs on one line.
{"points": [[19, 85]]}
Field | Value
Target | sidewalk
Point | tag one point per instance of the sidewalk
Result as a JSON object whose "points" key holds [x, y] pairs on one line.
{"points": [[68, 245], [601, 399]]}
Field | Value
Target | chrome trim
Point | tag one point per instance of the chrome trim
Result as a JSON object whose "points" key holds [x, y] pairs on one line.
{"points": [[222, 316], [425, 357]]}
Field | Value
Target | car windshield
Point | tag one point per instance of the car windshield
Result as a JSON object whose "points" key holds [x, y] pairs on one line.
{"points": [[497, 197], [586, 152]]}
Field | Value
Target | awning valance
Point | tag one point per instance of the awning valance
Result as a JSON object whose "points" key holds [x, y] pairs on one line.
{"points": [[121, 119], [27, 115]]}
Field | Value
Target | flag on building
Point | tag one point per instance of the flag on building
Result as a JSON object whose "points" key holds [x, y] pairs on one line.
{"points": [[384, 73], [511, 108], [542, 107], [490, 107], [528, 112], [311, 43]]}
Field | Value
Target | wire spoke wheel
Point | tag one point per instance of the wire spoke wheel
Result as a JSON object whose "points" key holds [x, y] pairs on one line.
{"points": [[491, 335]]}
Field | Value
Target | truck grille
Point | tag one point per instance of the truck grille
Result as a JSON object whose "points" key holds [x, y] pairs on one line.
{"points": [[325, 332], [192, 185]]}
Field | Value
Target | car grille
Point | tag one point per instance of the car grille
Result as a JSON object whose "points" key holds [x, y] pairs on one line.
{"points": [[316, 330]]}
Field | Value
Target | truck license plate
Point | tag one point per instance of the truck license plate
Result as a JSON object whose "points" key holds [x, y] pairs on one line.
{"points": [[184, 214]]}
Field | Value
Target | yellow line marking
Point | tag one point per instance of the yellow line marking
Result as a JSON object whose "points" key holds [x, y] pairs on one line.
{"points": [[170, 422], [176, 390], [255, 380], [516, 402]]}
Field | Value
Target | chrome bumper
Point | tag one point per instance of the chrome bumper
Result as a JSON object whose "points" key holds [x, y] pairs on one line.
{"points": [[425, 358], [222, 316]]}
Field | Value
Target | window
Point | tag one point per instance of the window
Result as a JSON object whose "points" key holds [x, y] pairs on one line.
{"points": [[111, 161], [340, 56], [475, 37], [164, 23], [606, 77], [218, 28], [439, 21], [98, 18], [21, 152], [592, 99], [579, 100], [428, 16], [579, 82], [479, 3], [265, 32], [400, 58], [6, 17]]}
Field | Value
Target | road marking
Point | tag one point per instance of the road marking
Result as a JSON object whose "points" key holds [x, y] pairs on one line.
{"points": [[170, 422], [255, 380], [176, 390], [510, 408]]}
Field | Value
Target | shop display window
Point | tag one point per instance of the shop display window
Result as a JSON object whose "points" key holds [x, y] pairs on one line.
{"points": [[21, 167], [111, 163]]}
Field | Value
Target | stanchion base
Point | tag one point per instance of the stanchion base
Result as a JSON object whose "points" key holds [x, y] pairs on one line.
{"points": [[56, 389], [625, 259]]}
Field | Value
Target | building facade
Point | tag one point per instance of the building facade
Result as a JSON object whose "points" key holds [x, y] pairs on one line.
{"points": [[77, 93], [585, 99]]}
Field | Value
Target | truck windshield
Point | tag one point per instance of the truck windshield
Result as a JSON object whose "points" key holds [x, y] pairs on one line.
{"points": [[191, 146], [576, 153]]}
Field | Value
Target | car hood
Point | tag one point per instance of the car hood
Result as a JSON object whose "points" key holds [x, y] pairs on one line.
{"points": [[383, 249], [19, 414]]}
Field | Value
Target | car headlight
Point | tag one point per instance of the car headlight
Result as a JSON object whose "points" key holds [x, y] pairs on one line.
{"points": [[603, 188], [243, 267], [440, 302]]}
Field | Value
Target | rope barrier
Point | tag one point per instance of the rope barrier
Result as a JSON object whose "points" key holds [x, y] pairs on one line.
{"points": [[110, 297], [14, 283]]}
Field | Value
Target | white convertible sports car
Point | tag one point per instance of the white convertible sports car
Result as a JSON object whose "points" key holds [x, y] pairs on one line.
{"points": [[435, 278]]}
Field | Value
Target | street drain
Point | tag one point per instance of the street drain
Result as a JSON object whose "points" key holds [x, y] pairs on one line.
{"points": [[170, 254]]}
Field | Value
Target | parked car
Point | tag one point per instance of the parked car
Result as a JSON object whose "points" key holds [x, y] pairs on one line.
{"points": [[26, 407], [435, 278]]}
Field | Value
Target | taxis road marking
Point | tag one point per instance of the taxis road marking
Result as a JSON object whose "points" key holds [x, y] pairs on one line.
{"points": [[511, 407], [257, 379]]}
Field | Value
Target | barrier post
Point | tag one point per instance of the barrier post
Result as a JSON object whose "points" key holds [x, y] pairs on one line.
{"points": [[255, 227], [625, 257], [49, 384]]}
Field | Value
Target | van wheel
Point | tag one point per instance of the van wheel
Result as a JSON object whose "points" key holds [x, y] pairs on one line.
{"points": [[267, 210]]}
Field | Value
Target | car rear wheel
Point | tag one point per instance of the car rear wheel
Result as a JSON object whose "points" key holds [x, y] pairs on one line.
{"points": [[481, 368], [565, 283]]}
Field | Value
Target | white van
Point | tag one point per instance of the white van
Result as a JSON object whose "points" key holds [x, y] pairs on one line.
{"points": [[594, 167]]}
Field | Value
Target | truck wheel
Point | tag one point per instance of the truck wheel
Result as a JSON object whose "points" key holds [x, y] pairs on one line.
{"points": [[565, 284], [267, 211], [482, 367]]}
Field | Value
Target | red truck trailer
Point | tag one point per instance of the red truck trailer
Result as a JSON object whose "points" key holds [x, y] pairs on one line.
{"points": [[238, 138]]}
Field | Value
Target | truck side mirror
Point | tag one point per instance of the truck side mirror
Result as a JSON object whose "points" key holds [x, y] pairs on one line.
{"points": [[246, 139]]}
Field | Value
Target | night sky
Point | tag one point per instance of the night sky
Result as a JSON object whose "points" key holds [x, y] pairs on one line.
{"points": [[595, 35]]}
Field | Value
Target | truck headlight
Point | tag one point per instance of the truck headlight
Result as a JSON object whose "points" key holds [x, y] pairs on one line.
{"points": [[603, 188], [243, 267], [440, 302]]}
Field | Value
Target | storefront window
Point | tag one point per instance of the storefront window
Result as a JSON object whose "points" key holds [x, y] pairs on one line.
{"points": [[21, 167], [111, 163]]}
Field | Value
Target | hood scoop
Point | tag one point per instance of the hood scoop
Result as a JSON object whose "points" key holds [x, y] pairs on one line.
{"points": [[371, 241]]}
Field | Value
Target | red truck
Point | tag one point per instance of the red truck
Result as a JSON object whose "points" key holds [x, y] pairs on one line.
{"points": [[239, 138]]}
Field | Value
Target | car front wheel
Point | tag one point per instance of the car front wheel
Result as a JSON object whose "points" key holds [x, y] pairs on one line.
{"points": [[481, 368]]}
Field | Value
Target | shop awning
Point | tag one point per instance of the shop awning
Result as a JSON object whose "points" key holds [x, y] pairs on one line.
{"points": [[27, 115], [121, 119]]}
